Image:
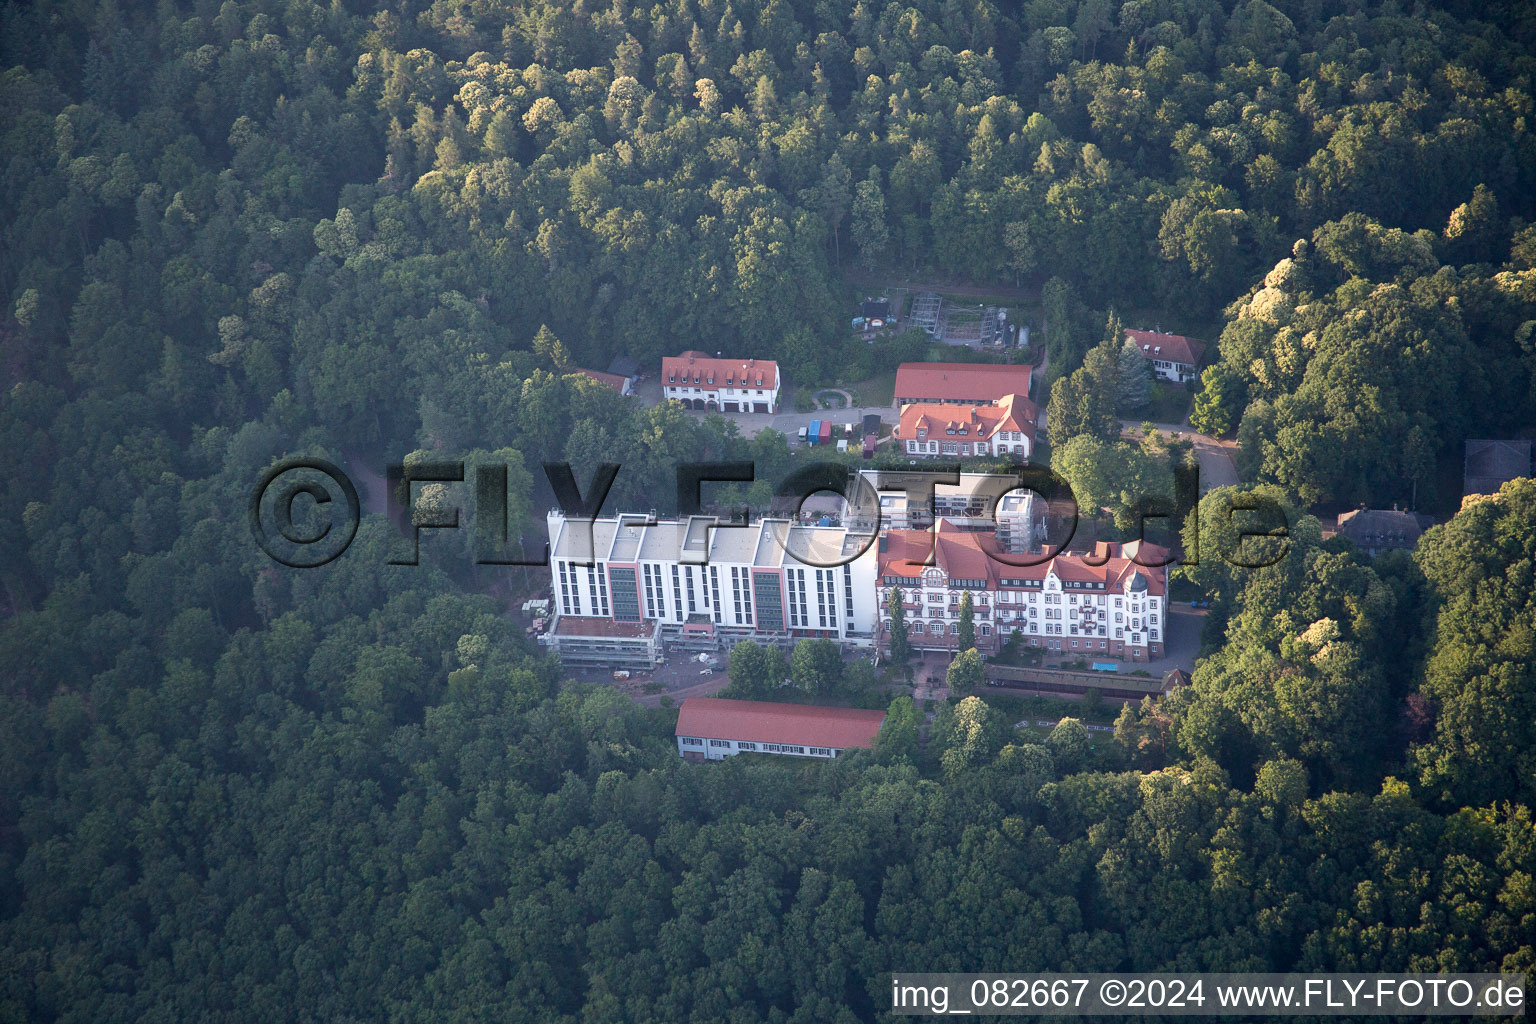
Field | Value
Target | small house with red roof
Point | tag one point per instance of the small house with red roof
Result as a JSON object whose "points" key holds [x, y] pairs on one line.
{"points": [[1173, 356], [623, 385], [712, 728], [714, 384]]}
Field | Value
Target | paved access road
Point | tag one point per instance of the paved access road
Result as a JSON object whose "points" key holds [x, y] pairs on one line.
{"points": [[1215, 454]]}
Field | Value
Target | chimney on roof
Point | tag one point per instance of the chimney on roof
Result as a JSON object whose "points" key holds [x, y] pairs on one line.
{"points": [[717, 353]]}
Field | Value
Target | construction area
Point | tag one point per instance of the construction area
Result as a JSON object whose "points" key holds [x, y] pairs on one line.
{"points": [[927, 313], [957, 323], [975, 326]]}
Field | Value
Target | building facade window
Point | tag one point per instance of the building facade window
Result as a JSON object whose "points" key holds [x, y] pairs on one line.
{"points": [[654, 595], [566, 587], [626, 595]]}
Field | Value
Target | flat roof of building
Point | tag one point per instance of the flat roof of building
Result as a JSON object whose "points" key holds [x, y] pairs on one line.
{"points": [[662, 542], [731, 542], [570, 542], [627, 539], [767, 722], [593, 625], [770, 544], [704, 539]]}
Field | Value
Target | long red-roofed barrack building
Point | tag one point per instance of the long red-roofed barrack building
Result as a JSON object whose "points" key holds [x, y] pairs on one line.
{"points": [[959, 383], [1109, 602], [712, 728]]}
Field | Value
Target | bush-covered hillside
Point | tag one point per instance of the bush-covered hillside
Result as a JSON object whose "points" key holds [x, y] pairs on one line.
{"points": [[234, 231]]}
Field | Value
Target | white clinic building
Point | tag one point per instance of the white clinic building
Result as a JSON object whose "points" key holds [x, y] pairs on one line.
{"points": [[626, 589]]}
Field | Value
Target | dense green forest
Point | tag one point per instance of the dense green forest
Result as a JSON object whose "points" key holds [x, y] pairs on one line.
{"points": [[235, 231]]}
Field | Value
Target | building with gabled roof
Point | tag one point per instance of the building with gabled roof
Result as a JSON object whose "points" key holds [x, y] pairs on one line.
{"points": [[1173, 356], [1111, 601], [623, 385], [713, 728], [1379, 529], [1490, 464], [938, 430], [711, 383], [960, 383]]}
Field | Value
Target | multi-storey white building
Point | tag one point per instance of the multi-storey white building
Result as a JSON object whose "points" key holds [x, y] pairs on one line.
{"points": [[625, 588], [1111, 602], [711, 383]]}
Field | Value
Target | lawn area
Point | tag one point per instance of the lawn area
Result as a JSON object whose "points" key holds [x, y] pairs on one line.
{"points": [[1170, 403], [875, 391]]}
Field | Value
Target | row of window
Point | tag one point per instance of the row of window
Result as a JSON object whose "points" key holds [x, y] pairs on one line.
{"points": [[826, 597], [710, 386], [597, 589], [748, 745], [937, 628], [741, 593], [1006, 597], [982, 629], [946, 448], [902, 581]]}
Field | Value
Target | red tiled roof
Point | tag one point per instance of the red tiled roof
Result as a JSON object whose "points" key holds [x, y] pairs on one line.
{"points": [[1011, 412], [974, 555], [960, 382], [612, 380], [1175, 347], [695, 368], [765, 722]]}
